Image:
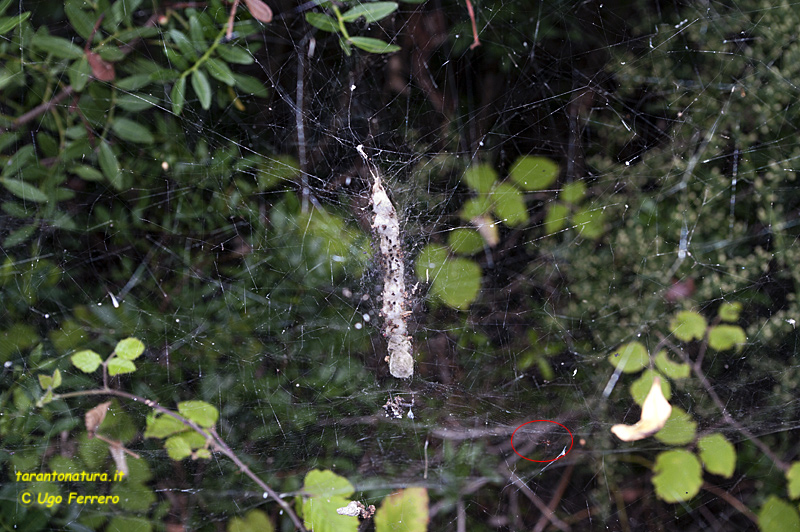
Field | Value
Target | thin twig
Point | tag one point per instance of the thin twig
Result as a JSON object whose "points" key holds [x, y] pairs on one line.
{"points": [[560, 489], [733, 501], [475, 41]]}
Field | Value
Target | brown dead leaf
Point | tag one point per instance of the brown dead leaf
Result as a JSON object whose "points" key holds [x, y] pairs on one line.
{"points": [[259, 10], [101, 69], [95, 417]]}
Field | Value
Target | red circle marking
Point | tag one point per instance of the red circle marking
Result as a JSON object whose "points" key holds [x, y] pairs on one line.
{"points": [[571, 440]]}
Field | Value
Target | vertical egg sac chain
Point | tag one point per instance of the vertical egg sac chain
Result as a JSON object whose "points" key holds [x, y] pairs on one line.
{"points": [[387, 227]]}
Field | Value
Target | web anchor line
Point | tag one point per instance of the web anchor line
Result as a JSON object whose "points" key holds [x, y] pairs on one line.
{"points": [[395, 315]]}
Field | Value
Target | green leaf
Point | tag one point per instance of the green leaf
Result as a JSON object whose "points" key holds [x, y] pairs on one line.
{"points": [[109, 165], [20, 235], [45, 381], [135, 102], [730, 311], [322, 21], [56, 378], [178, 95], [718, 455], [573, 192], [373, 12], [476, 207], [724, 337], [131, 131], [630, 358], [87, 173], [235, 54], [375, 46], [678, 476], [253, 521], [81, 21], [220, 71], [679, 429], [9, 23], [24, 190], [251, 85], [778, 515], [79, 73], [161, 426], [178, 447], [129, 348], [556, 218], [202, 88], [118, 366], [688, 326], [509, 205], [533, 172], [480, 177], [324, 492], [57, 46], [455, 281], [793, 476], [87, 360], [590, 222], [404, 511], [200, 412], [184, 45], [641, 386], [673, 370], [465, 241]]}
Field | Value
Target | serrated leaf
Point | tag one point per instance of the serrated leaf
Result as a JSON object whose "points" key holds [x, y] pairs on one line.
{"points": [[678, 476], [251, 85], [480, 177], [87, 360], [673, 370], [9, 23], [57, 46], [718, 455], [403, 511], [200, 412], [777, 515], [202, 88], [131, 131], [724, 337], [109, 165], [793, 477], [631, 357], [730, 311], [129, 348], [253, 521], [509, 205], [161, 426], [178, 95], [322, 22], [118, 366], [220, 71], [177, 447], [533, 172], [688, 326], [374, 46], [24, 190], [679, 429], [372, 12]]}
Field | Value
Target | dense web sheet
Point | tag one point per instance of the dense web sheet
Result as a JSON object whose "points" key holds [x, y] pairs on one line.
{"points": [[240, 247]]}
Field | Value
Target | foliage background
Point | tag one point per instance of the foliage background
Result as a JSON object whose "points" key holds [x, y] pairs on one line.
{"points": [[240, 253]]}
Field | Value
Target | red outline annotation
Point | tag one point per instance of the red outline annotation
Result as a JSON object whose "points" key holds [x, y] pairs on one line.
{"points": [[563, 453]]}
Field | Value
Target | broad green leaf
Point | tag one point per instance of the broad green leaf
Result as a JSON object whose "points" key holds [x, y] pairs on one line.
{"points": [[480, 177], [573, 192], [129, 348], [87, 360], [375, 46], [793, 476], [777, 515], [45, 381], [184, 44], [404, 511], [678, 476], [590, 222], [253, 521], [202, 88], [178, 95], [200, 412], [57, 46], [556, 218], [465, 241], [630, 358], [534, 172], [325, 492], [9, 23], [118, 366], [718, 455], [220, 71], [178, 447], [679, 429], [87, 173], [373, 12], [724, 337], [109, 165], [82, 22], [79, 73], [23, 157], [673, 370], [161, 426], [56, 378], [322, 21], [641, 386], [251, 85], [730, 311], [235, 54], [688, 326], [509, 205], [476, 207], [24, 190], [131, 131]]}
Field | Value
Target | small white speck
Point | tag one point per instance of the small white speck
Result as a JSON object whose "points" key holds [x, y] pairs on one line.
{"points": [[365, 317], [358, 326]]}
